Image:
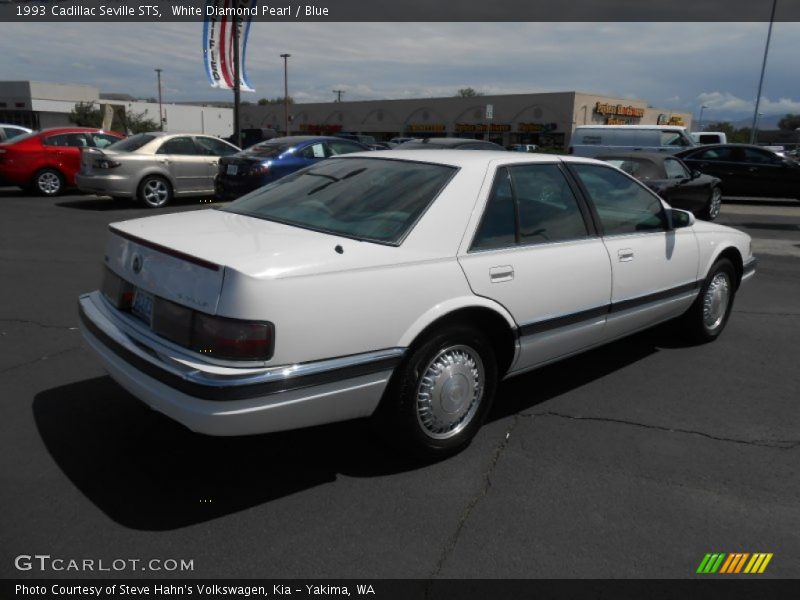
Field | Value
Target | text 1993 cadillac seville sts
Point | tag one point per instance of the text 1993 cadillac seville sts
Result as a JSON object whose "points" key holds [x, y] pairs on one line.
{"points": [[398, 286]]}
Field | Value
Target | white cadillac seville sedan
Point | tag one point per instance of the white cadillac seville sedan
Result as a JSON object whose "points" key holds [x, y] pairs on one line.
{"points": [[398, 285]]}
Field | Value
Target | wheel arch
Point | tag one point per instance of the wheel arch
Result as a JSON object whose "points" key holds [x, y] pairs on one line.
{"points": [[489, 317], [155, 172], [735, 256]]}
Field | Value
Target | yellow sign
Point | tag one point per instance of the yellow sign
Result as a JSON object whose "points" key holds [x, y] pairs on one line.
{"points": [[618, 109], [426, 128], [481, 127]]}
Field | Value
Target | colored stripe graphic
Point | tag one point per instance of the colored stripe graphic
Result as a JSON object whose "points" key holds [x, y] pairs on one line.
{"points": [[734, 563]]}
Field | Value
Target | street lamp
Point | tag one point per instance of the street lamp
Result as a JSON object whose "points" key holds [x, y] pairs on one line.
{"points": [[285, 58], [160, 112], [761, 79], [700, 120]]}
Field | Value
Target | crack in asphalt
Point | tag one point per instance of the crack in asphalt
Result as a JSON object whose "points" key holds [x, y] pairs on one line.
{"points": [[38, 324], [778, 444], [487, 484], [41, 358]]}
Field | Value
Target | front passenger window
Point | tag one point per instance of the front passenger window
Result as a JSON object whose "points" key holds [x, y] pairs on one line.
{"points": [[623, 205]]}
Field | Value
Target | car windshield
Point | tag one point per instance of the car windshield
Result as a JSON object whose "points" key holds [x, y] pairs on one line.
{"points": [[131, 144], [268, 149], [370, 199]]}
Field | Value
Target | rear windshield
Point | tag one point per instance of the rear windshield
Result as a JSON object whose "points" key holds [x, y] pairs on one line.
{"points": [[641, 169], [370, 199], [133, 143], [268, 149]]}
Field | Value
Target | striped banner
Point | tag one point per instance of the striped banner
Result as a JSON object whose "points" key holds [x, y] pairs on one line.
{"points": [[218, 29], [734, 563]]}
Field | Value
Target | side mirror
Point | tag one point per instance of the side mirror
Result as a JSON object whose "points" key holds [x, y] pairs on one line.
{"points": [[696, 174], [679, 219]]}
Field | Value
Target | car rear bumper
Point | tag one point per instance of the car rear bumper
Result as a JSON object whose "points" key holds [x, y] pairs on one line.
{"points": [[106, 185], [216, 400]]}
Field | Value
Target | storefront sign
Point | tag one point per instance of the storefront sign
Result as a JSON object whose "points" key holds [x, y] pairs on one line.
{"points": [[425, 128], [536, 127], [319, 129], [481, 127], [618, 110]]}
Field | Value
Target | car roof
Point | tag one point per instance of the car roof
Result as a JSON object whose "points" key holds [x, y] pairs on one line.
{"points": [[630, 127], [52, 130], [446, 141], [472, 158], [651, 156]]}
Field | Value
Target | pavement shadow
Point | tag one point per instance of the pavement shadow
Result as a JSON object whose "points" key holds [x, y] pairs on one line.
{"points": [[101, 203], [147, 472]]}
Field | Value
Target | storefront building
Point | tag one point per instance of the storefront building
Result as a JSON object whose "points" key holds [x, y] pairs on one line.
{"points": [[547, 120]]}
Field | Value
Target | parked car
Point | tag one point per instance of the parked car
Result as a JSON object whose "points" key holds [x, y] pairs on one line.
{"points": [[366, 140], [400, 140], [263, 163], [746, 170], [522, 148], [398, 286], [253, 135], [448, 143], [45, 162], [594, 140], [11, 131], [709, 137], [154, 167], [671, 179]]}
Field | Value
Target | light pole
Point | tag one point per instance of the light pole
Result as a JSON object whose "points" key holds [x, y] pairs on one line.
{"points": [[700, 120], [285, 58], [160, 112], [761, 79], [338, 95]]}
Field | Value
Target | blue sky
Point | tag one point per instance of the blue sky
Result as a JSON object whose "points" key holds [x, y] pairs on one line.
{"points": [[671, 65]]}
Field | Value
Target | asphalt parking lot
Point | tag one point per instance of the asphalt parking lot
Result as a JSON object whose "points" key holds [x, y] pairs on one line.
{"points": [[634, 460]]}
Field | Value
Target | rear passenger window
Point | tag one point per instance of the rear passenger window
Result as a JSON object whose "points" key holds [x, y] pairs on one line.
{"points": [[530, 204], [622, 204]]}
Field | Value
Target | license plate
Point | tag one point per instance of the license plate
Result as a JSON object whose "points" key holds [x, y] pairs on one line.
{"points": [[142, 306], [232, 169]]}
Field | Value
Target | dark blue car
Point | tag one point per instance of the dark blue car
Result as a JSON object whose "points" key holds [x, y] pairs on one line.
{"points": [[265, 162]]}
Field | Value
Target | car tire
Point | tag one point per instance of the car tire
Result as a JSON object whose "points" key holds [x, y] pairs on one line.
{"points": [[712, 209], [428, 410], [709, 313], [47, 182], [155, 191]]}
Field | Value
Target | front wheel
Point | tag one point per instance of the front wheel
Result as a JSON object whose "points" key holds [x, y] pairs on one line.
{"points": [[48, 182], [439, 397], [155, 191], [714, 205], [709, 314]]}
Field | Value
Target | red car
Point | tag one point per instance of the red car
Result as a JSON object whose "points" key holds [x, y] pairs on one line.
{"points": [[45, 162]]}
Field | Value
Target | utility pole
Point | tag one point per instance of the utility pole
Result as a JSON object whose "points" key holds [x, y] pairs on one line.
{"points": [[761, 80], [285, 58], [338, 95], [160, 111], [237, 132]]}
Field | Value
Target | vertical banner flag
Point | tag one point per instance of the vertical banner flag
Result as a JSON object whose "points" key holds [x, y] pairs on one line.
{"points": [[218, 41]]}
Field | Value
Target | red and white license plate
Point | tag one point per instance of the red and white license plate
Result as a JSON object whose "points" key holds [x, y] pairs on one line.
{"points": [[142, 306]]}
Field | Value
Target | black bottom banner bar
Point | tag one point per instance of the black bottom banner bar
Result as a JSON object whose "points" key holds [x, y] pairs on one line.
{"points": [[406, 589]]}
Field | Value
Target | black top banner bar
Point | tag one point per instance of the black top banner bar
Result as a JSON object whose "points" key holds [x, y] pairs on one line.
{"points": [[284, 11]]}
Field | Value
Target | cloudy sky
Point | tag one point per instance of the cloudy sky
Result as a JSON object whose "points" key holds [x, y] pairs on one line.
{"points": [[680, 66]]}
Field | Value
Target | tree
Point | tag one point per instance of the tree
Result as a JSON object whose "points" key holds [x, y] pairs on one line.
{"points": [[468, 93], [84, 114], [266, 101], [789, 122], [735, 136], [134, 122]]}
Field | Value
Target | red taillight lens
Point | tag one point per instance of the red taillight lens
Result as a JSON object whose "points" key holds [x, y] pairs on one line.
{"points": [[231, 338], [118, 291]]}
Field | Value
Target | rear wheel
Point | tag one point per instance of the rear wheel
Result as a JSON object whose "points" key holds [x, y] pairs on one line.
{"points": [[48, 182], [155, 191], [709, 314], [441, 394], [714, 205]]}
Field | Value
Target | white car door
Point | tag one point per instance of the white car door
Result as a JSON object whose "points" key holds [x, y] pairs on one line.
{"points": [[654, 268], [535, 251]]}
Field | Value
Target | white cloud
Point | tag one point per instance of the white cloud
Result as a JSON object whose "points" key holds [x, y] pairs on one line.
{"points": [[725, 101]]}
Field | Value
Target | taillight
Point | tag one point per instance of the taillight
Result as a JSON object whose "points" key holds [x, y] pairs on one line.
{"points": [[118, 291], [231, 338], [105, 163], [262, 169]]}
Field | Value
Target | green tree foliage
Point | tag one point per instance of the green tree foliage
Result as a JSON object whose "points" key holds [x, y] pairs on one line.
{"points": [[468, 93], [86, 114], [267, 101], [734, 135], [790, 122]]}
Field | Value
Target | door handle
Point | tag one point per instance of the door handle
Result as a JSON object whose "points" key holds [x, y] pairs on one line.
{"points": [[500, 274], [625, 255]]}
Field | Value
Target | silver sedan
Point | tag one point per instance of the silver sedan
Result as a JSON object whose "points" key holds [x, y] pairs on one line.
{"points": [[154, 167]]}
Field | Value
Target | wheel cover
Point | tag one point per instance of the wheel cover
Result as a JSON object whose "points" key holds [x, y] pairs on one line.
{"points": [[715, 205], [49, 183], [715, 301], [450, 392], [156, 192]]}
